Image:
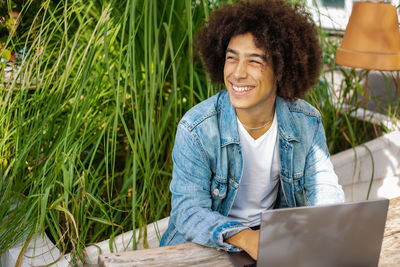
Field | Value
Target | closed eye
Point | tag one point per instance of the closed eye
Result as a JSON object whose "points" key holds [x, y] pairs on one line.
{"points": [[256, 62], [230, 58]]}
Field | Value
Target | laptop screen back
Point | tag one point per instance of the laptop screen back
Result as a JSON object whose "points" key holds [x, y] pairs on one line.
{"points": [[347, 234]]}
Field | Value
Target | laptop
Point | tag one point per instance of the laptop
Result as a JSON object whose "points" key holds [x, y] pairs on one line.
{"points": [[346, 234]]}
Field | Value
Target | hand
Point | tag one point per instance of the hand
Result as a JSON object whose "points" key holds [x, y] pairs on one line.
{"points": [[246, 240]]}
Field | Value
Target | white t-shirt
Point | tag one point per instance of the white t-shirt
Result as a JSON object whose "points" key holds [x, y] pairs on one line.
{"points": [[258, 186]]}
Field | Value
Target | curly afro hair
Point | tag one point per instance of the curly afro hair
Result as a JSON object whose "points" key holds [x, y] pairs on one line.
{"points": [[285, 32]]}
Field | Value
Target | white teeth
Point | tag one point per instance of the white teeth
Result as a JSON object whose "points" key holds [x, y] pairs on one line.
{"points": [[241, 89]]}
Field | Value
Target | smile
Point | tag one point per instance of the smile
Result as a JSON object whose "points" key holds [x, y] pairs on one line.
{"points": [[242, 88]]}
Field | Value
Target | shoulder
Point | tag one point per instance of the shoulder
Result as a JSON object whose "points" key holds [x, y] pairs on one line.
{"points": [[302, 106], [203, 111], [299, 107], [298, 119]]}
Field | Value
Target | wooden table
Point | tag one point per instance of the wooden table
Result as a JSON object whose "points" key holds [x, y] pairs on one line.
{"points": [[191, 254], [390, 253]]}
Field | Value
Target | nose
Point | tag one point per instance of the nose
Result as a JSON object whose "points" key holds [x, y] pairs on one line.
{"points": [[240, 70]]}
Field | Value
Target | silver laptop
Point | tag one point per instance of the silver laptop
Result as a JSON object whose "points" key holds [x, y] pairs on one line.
{"points": [[347, 234]]}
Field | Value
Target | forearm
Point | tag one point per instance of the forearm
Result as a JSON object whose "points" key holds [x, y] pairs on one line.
{"points": [[246, 240], [199, 224]]}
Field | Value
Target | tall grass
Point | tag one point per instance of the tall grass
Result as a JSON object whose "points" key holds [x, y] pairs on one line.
{"points": [[89, 117]]}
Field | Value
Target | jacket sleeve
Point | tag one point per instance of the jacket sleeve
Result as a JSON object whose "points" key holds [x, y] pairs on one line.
{"points": [[191, 198], [321, 182]]}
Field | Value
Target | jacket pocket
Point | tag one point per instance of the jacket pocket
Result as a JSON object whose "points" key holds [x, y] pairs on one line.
{"points": [[298, 183], [219, 187], [299, 193], [293, 188]]}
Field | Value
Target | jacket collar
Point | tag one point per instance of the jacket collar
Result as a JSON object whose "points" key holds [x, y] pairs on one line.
{"points": [[228, 123], [286, 122]]}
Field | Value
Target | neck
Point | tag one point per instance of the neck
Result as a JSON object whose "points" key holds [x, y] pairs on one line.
{"points": [[255, 118], [256, 124], [259, 127]]}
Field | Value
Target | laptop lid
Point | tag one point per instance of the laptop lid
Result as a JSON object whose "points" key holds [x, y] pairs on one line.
{"points": [[346, 234]]}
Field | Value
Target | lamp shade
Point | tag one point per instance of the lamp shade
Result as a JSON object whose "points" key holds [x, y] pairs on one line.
{"points": [[372, 38]]}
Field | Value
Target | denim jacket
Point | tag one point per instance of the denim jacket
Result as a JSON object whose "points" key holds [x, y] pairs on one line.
{"points": [[208, 166]]}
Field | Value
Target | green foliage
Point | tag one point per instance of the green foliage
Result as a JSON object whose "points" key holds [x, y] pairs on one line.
{"points": [[89, 116]]}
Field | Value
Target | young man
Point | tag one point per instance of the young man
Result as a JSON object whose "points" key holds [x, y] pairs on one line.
{"points": [[255, 145]]}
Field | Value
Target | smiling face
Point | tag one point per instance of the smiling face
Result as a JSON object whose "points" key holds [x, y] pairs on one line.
{"points": [[249, 79]]}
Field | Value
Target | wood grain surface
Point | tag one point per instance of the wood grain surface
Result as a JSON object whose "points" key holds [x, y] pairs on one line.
{"points": [[390, 253], [191, 254]]}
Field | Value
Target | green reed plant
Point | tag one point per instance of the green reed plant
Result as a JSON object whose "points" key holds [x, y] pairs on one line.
{"points": [[89, 115]]}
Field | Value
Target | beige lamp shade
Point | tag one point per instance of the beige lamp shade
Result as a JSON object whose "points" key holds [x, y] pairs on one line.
{"points": [[372, 38]]}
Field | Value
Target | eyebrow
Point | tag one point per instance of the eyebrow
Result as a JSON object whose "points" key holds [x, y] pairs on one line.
{"points": [[263, 57]]}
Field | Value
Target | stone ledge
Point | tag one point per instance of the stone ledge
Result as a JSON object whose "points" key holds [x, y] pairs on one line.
{"points": [[380, 159]]}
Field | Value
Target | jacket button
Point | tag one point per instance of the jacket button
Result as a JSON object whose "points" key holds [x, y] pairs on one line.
{"points": [[216, 191]]}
